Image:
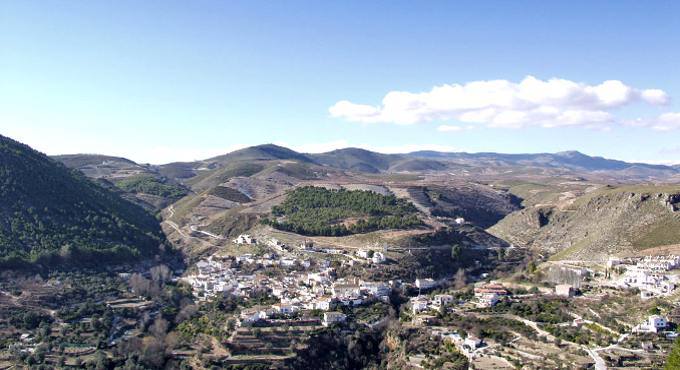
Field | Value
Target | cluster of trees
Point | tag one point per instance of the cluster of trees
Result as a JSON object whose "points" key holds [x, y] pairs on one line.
{"points": [[553, 311], [228, 193], [320, 211], [148, 184], [45, 206]]}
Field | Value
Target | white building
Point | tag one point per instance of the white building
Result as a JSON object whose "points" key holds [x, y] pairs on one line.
{"points": [[363, 253], [330, 318], [378, 289], [245, 239], [443, 299], [653, 324], [378, 257], [564, 290], [419, 304], [425, 283], [472, 343], [323, 304]]}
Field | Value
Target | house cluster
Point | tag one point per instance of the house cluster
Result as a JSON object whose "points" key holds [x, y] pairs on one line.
{"points": [[372, 256], [221, 275], [424, 303], [245, 239], [317, 291], [489, 294], [658, 263], [649, 275]]}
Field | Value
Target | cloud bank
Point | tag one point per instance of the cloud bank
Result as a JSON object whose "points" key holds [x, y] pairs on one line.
{"points": [[502, 103]]}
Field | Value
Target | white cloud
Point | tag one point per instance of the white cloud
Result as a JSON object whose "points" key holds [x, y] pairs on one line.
{"points": [[454, 128], [664, 122], [501, 103]]}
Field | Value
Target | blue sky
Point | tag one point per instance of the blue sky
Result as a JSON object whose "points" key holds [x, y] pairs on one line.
{"points": [[161, 81]]}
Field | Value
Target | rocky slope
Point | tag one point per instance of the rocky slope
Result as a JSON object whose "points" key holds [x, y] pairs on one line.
{"points": [[609, 221]]}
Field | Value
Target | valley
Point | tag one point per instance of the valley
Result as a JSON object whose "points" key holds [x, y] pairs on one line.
{"points": [[268, 258]]}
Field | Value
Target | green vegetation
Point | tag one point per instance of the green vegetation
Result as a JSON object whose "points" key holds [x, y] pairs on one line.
{"points": [[544, 311], [148, 184], [673, 361], [228, 193], [54, 216], [319, 211]]}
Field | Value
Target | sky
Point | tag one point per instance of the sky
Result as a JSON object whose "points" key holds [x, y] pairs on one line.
{"points": [[163, 81]]}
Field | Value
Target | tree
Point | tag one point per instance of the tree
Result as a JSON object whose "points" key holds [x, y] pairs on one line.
{"points": [[159, 328], [459, 280], [531, 267], [673, 360], [456, 252], [160, 274], [101, 362]]}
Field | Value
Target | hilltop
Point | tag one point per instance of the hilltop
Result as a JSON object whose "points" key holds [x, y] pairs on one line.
{"points": [[53, 216]]}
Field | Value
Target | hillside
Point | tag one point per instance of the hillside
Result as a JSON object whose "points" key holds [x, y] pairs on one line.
{"points": [[142, 184], [355, 159], [320, 211], [55, 216], [610, 220]]}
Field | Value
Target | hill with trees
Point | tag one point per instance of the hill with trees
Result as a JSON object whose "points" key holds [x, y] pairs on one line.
{"points": [[53, 216], [319, 211]]}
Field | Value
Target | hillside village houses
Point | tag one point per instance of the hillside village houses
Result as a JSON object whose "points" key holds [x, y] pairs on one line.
{"points": [[300, 290], [488, 295], [649, 275], [423, 303], [245, 239]]}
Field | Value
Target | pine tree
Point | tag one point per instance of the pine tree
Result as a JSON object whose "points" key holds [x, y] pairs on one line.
{"points": [[673, 361]]}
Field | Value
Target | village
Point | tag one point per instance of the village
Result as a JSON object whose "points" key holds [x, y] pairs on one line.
{"points": [[311, 284], [310, 293]]}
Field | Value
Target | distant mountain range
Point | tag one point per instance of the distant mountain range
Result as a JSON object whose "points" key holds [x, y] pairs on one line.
{"points": [[365, 161]]}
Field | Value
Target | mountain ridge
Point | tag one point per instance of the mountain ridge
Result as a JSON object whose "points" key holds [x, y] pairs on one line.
{"points": [[52, 216]]}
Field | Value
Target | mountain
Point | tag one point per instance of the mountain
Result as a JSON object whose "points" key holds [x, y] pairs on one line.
{"points": [[265, 152], [355, 159], [140, 183], [595, 223], [53, 216], [568, 160]]}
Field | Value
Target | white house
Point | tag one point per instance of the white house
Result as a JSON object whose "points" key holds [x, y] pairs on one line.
{"points": [[284, 309], [345, 290], [443, 299], [363, 253], [564, 290], [425, 283], [377, 289], [653, 324], [419, 304], [245, 239], [378, 257], [472, 343], [459, 220], [330, 318], [488, 299], [323, 304]]}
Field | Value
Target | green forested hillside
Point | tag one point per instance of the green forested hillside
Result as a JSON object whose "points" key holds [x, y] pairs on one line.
{"points": [[320, 211], [52, 216], [151, 185]]}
